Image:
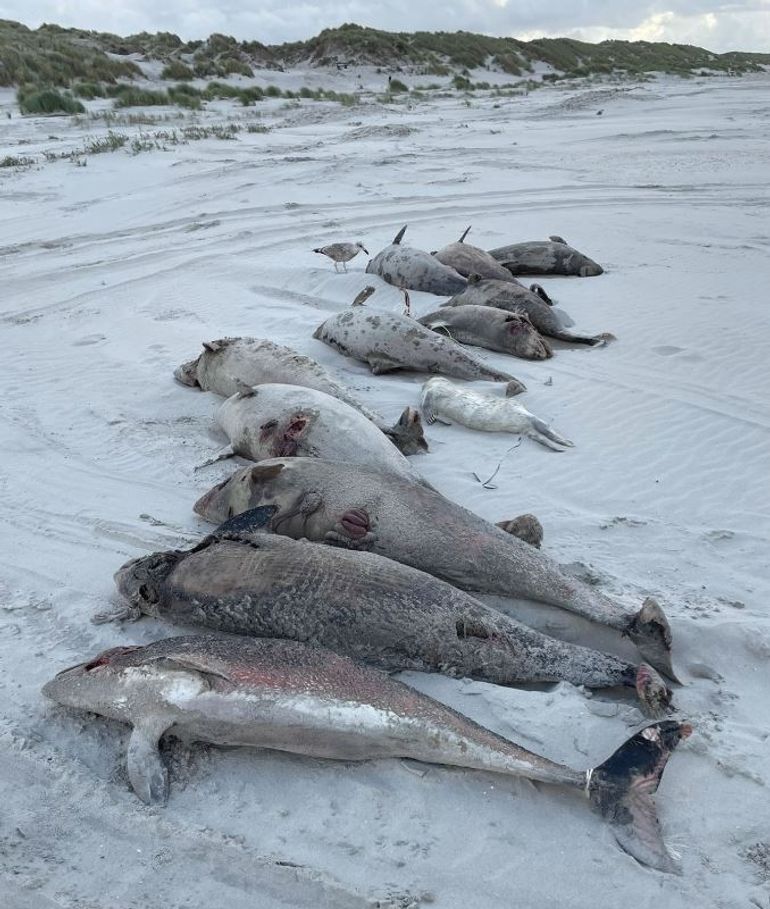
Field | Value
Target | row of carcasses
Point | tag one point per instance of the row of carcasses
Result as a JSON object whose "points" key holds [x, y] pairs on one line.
{"points": [[334, 556]]}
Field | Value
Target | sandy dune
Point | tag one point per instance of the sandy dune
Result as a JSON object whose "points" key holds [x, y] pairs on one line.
{"points": [[113, 274]]}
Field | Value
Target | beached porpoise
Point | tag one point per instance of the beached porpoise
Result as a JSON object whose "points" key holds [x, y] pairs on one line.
{"points": [[286, 696]]}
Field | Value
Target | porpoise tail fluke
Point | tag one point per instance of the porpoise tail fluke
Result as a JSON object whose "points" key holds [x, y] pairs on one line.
{"points": [[621, 791]]}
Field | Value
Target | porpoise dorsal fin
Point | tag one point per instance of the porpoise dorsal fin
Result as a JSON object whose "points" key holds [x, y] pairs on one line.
{"points": [[399, 236], [467, 231], [363, 296]]}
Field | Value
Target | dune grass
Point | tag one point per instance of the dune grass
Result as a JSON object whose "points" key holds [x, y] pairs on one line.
{"points": [[34, 100]]}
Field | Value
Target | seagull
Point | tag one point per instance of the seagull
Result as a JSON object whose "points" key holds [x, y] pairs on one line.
{"points": [[341, 252]]}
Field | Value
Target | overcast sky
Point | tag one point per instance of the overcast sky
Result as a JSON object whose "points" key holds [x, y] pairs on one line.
{"points": [[717, 26]]}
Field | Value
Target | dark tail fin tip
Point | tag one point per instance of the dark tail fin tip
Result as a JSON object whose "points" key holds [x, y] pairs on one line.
{"points": [[621, 790]]}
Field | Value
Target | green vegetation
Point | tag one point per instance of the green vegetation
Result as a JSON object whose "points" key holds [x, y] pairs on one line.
{"points": [[85, 61], [140, 97], [35, 100], [396, 85], [89, 90], [177, 71], [13, 161], [50, 56]]}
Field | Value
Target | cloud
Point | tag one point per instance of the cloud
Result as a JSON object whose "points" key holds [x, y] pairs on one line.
{"points": [[719, 26]]}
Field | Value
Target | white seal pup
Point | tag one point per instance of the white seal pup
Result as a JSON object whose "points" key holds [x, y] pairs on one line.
{"points": [[470, 260], [545, 257], [341, 252], [414, 269], [227, 365], [291, 697], [362, 508], [444, 401], [494, 329], [488, 292], [388, 341], [275, 420]]}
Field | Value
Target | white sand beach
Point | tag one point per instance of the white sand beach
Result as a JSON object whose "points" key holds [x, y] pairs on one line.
{"points": [[113, 273]]}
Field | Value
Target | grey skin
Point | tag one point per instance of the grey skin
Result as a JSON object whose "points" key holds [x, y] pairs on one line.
{"points": [[494, 329], [366, 509], [226, 365], [413, 269], [526, 527], [545, 257], [484, 292], [470, 260], [242, 580], [290, 697], [387, 342], [273, 420]]}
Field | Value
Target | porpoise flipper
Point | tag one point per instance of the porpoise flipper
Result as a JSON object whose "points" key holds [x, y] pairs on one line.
{"points": [[146, 771]]}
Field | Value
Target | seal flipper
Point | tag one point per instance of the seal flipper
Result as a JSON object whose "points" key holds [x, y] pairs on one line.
{"points": [[651, 633], [543, 433], [380, 363], [407, 434], [621, 791], [222, 455], [146, 771]]}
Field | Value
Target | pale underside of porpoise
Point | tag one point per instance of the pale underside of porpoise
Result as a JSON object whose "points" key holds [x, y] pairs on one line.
{"points": [[446, 402], [494, 329], [419, 527], [545, 257], [290, 697], [414, 269], [274, 420], [500, 295], [229, 364], [242, 580], [388, 342]]}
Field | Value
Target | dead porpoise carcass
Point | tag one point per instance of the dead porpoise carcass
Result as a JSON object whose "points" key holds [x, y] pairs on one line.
{"points": [[285, 696], [361, 508], [244, 580]]}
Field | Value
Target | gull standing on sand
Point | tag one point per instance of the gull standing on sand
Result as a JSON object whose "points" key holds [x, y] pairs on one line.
{"points": [[341, 252]]}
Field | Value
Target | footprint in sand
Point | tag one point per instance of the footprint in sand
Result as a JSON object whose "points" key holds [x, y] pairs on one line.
{"points": [[667, 350]]}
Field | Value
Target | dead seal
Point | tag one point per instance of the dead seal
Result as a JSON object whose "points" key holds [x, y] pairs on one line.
{"points": [[360, 508], [388, 341], [227, 365], [484, 292], [470, 260], [290, 697], [446, 402], [494, 329], [545, 257], [413, 269], [242, 580], [275, 420]]}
